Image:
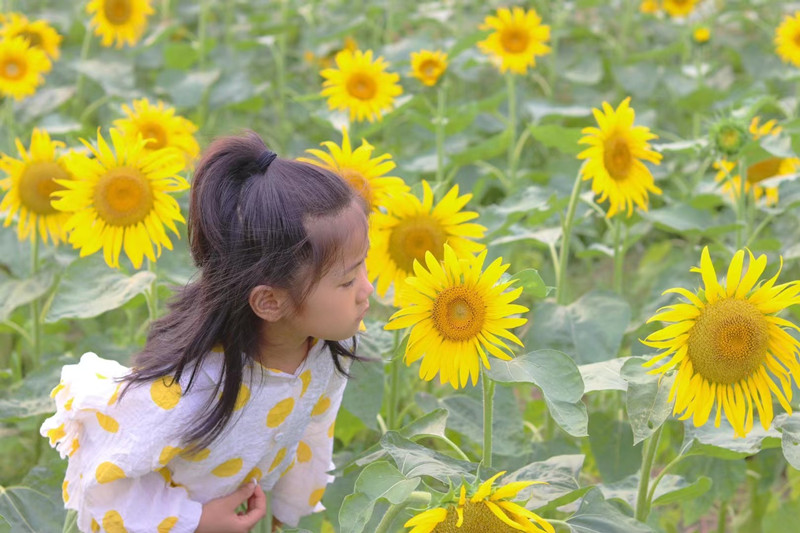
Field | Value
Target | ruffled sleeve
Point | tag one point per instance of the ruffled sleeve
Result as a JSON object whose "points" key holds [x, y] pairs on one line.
{"points": [[118, 477]]}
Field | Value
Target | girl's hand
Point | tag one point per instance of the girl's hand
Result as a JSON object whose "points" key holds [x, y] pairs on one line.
{"points": [[219, 515]]}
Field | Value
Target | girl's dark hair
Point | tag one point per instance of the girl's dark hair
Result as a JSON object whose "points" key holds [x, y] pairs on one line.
{"points": [[247, 226]]}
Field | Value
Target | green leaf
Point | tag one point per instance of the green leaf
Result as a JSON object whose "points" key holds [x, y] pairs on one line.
{"points": [[17, 292], [31, 396], [43, 102], [483, 151], [604, 375], [532, 283], [565, 140], [790, 438], [180, 55], [355, 512], [595, 515], [612, 447], [560, 473], [186, 90], [414, 460], [382, 480], [647, 400], [364, 397], [686, 492], [29, 511], [115, 77], [90, 288], [720, 442]]}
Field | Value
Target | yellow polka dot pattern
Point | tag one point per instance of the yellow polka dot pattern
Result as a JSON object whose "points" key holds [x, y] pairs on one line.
{"points": [[165, 395], [291, 465], [108, 472], [113, 399], [75, 446], [202, 455], [64, 493], [68, 404], [56, 434], [253, 474], [322, 406], [278, 459], [279, 413], [107, 423], [331, 430], [95, 526], [305, 377], [112, 523], [168, 453], [303, 452], [167, 524], [228, 468], [316, 497], [56, 390], [166, 474], [242, 398]]}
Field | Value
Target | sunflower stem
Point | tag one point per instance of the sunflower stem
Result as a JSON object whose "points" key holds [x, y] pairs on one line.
{"points": [[440, 107], [619, 253], [36, 320], [394, 383], [488, 412], [566, 233], [85, 47], [201, 33], [722, 516], [648, 456], [416, 497], [164, 10], [512, 126]]}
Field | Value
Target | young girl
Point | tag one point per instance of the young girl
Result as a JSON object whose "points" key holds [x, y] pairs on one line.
{"points": [[242, 379]]}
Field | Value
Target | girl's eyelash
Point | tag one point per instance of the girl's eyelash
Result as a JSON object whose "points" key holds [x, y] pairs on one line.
{"points": [[349, 283]]}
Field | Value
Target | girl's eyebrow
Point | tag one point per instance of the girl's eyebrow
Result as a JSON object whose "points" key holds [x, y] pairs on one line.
{"points": [[355, 265]]}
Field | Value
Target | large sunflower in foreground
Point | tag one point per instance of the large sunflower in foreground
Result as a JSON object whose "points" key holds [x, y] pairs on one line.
{"points": [[457, 312], [614, 159], [366, 174], [518, 37], [428, 66], [787, 39], [30, 181], [120, 199], [360, 85], [488, 509], [38, 33], [680, 8], [22, 67], [160, 128], [119, 22], [409, 228], [729, 348]]}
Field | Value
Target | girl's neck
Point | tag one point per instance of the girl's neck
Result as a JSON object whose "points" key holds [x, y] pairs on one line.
{"points": [[284, 350]]}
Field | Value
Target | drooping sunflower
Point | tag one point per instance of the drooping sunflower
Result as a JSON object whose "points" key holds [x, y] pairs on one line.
{"points": [[160, 128], [119, 22], [518, 37], [457, 312], [364, 173], [487, 509], [787, 39], [729, 347], [680, 8], [22, 67], [30, 181], [428, 66], [38, 33], [120, 198], [409, 228], [756, 173], [360, 85], [758, 130], [615, 159]]}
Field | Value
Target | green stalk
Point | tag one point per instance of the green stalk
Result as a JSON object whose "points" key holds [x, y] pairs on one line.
{"points": [[164, 10], [566, 230], [416, 497], [619, 253], [648, 456], [265, 524], [721, 516], [85, 47], [512, 125], [488, 412], [36, 319], [201, 33], [394, 383], [440, 123]]}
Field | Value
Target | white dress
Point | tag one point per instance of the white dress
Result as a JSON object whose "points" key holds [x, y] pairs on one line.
{"points": [[128, 473]]}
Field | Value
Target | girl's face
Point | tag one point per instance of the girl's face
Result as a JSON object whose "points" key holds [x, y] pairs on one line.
{"points": [[336, 305]]}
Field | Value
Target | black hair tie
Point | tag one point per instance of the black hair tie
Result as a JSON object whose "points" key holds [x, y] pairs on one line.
{"points": [[264, 160]]}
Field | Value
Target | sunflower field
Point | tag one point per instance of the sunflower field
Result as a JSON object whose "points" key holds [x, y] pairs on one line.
{"points": [[584, 243]]}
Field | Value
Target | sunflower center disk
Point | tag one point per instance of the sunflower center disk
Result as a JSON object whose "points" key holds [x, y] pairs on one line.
{"points": [[459, 313], [155, 135], [358, 182], [37, 183], [13, 69], [412, 237], [514, 40], [617, 157], [123, 197], [478, 518], [797, 38], [429, 68], [34, 39], [118, 12], [764, 169], [729, 341], [361, 86]]}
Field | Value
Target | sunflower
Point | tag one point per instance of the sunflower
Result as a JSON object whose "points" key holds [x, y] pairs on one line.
{"points": [[787, 39], [409, 228], [361, 85], [21, 67], [615, 156], [650, 7], [488, 509], [120, 198], [160, 128], [428, 66], [680, 8], [38, 33], [756, 173], [701, 34], [758, 130], [358, 168], [30, 181], [519, 36], [122, 21], [728, 345], [457, 312]]}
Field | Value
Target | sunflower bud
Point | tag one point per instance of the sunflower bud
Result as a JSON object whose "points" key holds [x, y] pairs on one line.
{"points": [[728, 136]]}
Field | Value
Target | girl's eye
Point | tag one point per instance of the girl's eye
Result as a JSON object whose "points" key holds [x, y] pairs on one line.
{"points": [[349, 283]]}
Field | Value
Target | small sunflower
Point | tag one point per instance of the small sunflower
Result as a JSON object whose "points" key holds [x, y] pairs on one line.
{"points": [[701, 34], [680, 8], [728, 346], [519, 36], [160, 128], [120, 198], [409, 228], [487, 510], [21, 67], [38, 33], [617, 149], [360, 85], [123, 21], [756, 173], [457, 312], [30, 181], [758, 130], [650, 7], [787, 39], [428, 66], [365, 174]]}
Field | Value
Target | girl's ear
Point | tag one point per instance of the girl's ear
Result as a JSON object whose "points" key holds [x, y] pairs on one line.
{"points": [[269, 303]]}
